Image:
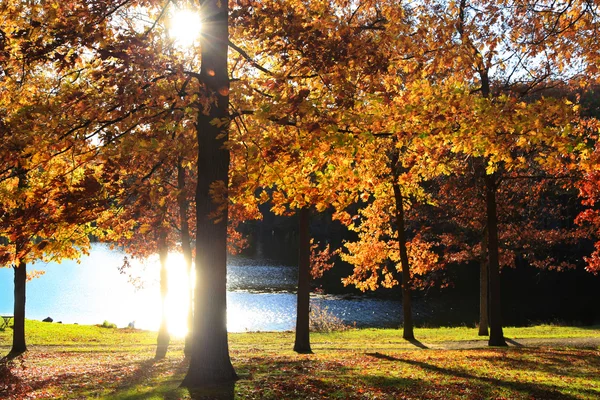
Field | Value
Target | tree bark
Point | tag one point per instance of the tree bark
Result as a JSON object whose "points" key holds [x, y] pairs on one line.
{"points": [[18, 344], [495, 324], [210, 363], [302, 343], [496, 334], [187, 250], [163, 332], [408, 327], [20, 285], [483, 287]]}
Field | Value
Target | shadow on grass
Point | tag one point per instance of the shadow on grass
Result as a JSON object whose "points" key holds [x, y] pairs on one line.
{"points": [[417, 343], [217, 392], [562, 362], [513, 342], [293, 379], [9, 382], [151, 379], [114, 378], [535, 390]]}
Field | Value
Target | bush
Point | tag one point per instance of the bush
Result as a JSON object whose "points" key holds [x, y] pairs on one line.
{"points": [[108, 325], [322, 320]]}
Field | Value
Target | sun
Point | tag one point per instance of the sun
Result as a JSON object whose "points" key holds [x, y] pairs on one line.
{"points": [[184, 27]]}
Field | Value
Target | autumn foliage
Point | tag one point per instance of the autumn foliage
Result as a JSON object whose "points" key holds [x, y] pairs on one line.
{"points": [[436, 132]]}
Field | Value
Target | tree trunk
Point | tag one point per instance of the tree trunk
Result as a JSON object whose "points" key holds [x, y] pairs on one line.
{"points": [[302, 343], [408, 330], [210, 364], [483, 287], [163, 332], [187, 251], [496, 335], [18, 345], [408, 327], [20, 288], [495, 324]]}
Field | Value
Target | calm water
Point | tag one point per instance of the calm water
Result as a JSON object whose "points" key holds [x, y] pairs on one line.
{"points": [[260, 296]]}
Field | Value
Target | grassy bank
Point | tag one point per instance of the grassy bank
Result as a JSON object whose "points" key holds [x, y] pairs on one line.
{"points": [[72, 361]]}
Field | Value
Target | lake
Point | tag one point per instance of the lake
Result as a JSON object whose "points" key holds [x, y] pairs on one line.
{"points": [[261, 295]]}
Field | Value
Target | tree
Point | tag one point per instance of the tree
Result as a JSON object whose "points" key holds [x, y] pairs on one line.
{"points": [[48, 194], [210, 363], [296, 117], [46, 216], [502, 52], [73, 81]]}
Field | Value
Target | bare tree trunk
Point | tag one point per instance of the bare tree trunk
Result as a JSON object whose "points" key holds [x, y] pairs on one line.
{"points": [[163, 332], [302, 343], [496, 334], [187, 250], [18, 344], [210, 363], [20, 288], [483, 287], [408, 327], [495, 324]]}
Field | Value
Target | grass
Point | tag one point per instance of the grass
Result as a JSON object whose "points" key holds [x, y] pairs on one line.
{"points": [[52, 334], [73, 361]]}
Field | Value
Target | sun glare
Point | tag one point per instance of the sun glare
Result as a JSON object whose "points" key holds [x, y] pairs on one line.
{"points": [[178, 300], [185, 27]]}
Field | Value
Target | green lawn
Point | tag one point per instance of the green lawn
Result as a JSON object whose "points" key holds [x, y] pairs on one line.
{"points": [[73, 361]]}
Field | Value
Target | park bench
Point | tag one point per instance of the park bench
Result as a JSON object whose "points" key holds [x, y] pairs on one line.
{"points": [[5, 320]]}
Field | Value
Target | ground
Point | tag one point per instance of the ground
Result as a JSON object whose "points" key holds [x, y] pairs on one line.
{"points": [[542, 362]]}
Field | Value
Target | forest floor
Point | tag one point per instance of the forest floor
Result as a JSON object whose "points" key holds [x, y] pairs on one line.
{"points": [[541, 362]]}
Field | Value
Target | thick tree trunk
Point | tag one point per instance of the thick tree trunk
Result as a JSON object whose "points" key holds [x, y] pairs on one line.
{"points": [[187, 251], [496, 335], [302, 343], [408, 330], [18, 345], [163, 332], [483, 287], [210, 363]]}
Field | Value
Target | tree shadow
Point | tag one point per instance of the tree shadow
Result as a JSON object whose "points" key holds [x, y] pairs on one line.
{"points": [[383, 356], [542, 391], [12, 355], [120, 380], [563, 362], [224, 391], [144, 372], [417, 343], [513, 342]]}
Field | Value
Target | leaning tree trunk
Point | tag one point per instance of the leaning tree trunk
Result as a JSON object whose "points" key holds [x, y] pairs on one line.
{"points": [[210, 363], [163, 332], [483, 287], [187, 250], [496, 335], [18, 345], [302, 343]]}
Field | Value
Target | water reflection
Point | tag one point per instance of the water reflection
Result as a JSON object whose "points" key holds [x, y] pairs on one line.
{"points": [[260, 296]]}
